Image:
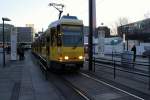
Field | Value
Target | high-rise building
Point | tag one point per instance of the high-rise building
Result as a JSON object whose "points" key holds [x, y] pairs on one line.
{"points": [[7, 32], [33, 29], [25, 35]]}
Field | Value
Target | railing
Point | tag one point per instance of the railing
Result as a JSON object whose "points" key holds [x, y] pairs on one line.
{"points": [[43, 64], [117, 65]]}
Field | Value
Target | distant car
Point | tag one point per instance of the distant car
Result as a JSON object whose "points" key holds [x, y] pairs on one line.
{"points": [[146, 53]]}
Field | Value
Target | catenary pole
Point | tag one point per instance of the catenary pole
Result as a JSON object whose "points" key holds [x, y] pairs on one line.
{"points": [[90, 38]]}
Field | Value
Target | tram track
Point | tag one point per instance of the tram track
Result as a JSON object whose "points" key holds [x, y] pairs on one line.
{"points": [[64, 88], [120, 87], [77, 88], [84, 94], [105, 83], [99, 90], [67, 89]]}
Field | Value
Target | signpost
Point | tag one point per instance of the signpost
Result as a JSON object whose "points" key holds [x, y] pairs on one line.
{"points": [[14, 44], [101, 39]]}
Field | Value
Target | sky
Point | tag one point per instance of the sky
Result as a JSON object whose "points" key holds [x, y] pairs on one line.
{"points": [[38, 12]]}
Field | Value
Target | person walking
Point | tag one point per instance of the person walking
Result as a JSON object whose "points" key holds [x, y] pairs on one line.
{"points": [[20, 51], [134, 53]]}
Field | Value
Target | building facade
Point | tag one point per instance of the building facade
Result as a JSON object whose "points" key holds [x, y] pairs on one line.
{"points": [[33, 29], [25, 35], [7, 32], [105, 29], [139, 30]]}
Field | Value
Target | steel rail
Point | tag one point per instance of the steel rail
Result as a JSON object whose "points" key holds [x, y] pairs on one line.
{"points": [[82, 93], [102, 82]]}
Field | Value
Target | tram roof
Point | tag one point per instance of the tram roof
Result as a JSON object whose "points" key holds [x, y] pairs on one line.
{"points": [[65, 20]]}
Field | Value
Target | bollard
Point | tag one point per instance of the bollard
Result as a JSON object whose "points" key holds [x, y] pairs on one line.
{"points": [[149, 71], [114, 69], [112, 55], [94, 64]]}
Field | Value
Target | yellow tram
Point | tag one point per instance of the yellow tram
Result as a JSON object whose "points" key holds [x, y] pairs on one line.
{"points": [[62, 43]]}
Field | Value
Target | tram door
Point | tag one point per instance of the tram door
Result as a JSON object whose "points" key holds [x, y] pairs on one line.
{"points": [[59, 41], [48, 47]]}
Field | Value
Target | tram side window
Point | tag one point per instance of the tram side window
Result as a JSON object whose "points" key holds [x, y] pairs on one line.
{"points": [[47, 40], [43, 42], [53, 39], [47, 45], [40, 45], [59, 41]]}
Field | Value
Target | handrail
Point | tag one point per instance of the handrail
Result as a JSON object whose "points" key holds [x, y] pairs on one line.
{"points": [[138, 73], [120, 54], [125, 60]]}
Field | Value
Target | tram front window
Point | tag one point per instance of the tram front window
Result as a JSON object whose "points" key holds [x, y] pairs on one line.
{"points": [[72, 36]]}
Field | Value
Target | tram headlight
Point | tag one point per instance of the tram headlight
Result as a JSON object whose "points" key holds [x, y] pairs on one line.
{"points": [[60, 58], [80, 57], [66, 57]]}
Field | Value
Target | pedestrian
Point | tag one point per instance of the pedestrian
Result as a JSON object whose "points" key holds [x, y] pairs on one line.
{"points": [[20, 51], [134, 53], [8, 50]]}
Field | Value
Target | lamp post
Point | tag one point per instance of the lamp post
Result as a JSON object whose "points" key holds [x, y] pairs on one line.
{"points": [[4, 19]]}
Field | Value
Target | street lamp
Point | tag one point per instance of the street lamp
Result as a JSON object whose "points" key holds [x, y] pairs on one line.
{"points": [[4, 19]]}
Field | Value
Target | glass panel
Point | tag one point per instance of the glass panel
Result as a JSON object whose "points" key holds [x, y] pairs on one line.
{"points": [[72, 40], [72, 35], [72, 28]]}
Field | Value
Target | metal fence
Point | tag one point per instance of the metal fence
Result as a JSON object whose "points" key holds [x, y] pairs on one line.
{"points": [[118, 65]]}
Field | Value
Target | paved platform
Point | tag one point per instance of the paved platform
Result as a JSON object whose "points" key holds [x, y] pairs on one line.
{"points": [[23, 80]]}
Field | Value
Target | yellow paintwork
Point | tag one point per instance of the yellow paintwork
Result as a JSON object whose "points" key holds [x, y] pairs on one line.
{"points": [[61, 52], [43, 52], [58, 53]]}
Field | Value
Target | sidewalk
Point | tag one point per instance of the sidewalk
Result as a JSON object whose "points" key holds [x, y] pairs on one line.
{"points": [[23, 80]]}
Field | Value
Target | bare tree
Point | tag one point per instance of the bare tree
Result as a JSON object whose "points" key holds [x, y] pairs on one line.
{"points": [[147, 15], [113, 30], [120, 22], [123, 21]]}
